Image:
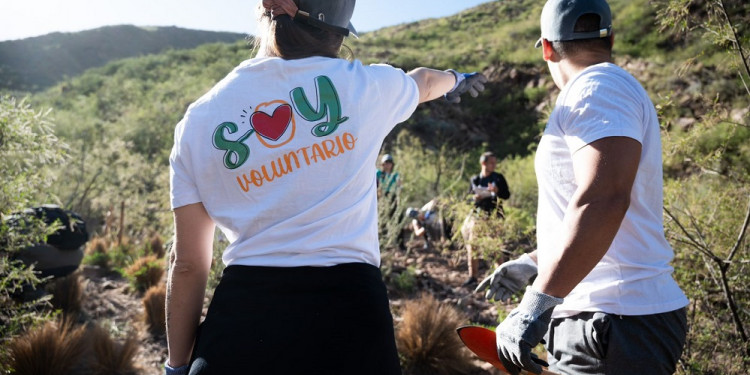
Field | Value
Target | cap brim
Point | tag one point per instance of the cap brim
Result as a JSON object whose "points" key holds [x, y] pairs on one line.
{"points": [[538, 43], [352, 30]]}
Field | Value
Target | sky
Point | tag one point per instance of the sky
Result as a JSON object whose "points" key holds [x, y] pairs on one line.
{"points": [[21, 19]]}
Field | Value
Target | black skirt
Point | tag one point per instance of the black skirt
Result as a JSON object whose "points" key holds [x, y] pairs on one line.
{"points": [[298, 320]]}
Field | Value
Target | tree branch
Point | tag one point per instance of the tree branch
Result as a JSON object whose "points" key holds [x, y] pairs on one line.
{"points": [[741, 237], [698, 245], [737, 44]]}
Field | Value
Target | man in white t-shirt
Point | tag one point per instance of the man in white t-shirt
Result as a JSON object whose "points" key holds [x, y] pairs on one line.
{"points": [[604, 298]]}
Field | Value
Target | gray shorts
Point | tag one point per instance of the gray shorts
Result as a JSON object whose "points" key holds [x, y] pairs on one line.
{"points": [[600, 343]]}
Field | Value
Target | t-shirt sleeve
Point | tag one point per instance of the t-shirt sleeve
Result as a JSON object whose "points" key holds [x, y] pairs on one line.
{"points": [[182, 187], [503, 191], [398, 92], [600, 106]]}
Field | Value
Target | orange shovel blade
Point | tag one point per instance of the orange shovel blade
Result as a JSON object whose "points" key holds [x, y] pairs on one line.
{"points": [[481, 341]]}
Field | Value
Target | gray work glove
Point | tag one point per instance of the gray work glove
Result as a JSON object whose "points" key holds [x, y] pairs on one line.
{"points": [[471, 82], [523, 329], [509, 278]]}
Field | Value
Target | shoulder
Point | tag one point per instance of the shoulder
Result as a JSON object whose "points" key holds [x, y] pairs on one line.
{"points": [[603, 82]]}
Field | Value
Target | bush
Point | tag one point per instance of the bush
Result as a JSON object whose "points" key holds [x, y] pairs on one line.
{"points": [[29, 151], [155, 246], [53, 348], [705, 214], [145, 272], [427, 339], [96, 252], [153, 309], [66, 294], [62, 348], [109, 357]]}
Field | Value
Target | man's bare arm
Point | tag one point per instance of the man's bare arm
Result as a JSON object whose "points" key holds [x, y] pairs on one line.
{"points": [[605, 171]]}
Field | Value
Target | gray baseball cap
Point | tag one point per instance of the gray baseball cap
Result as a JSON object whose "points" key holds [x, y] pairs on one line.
{"points": [[331, 15], [559, 19]]}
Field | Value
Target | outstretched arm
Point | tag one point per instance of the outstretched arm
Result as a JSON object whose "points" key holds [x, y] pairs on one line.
{"points": [[186, 284], [432, 83]]}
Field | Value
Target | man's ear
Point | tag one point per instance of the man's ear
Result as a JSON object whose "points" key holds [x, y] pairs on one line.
{"points": [[548, 53]]}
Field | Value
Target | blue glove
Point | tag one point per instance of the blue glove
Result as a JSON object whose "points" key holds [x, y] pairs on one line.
{"points": [[471, 82], [509, 278], [523, 329], [169, 370]]}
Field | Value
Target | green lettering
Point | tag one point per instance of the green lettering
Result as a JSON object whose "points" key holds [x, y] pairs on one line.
{"points": [[237, 152], [329, 107]]}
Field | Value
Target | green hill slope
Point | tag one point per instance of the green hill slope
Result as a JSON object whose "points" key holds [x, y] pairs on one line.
{"points": [[37, 63], [142, 98]]}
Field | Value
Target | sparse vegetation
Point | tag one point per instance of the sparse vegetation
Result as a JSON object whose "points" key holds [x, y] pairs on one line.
{"points": [[109, 356], [155, 246], [67, 293], [427, 340], [145, 272], [96, 253], [52, 348], [153, 307]]}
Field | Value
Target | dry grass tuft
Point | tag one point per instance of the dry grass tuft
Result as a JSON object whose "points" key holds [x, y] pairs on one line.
{"points": [[67, 293], [53, 348], [96, 252], [97, 245], [145, 272], [109, 357], [153, 307], [155, 246], [427, 339]]}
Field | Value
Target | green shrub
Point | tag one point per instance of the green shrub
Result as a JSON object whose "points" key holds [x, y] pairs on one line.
{"points": [[29, 151], [145, 272]]}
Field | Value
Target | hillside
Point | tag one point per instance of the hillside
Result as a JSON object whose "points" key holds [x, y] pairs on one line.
{"points": [[34, 64], [114, 126], [496, 38]]}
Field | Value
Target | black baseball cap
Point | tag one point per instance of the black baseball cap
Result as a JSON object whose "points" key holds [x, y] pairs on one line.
{"points": [[331, 15]]}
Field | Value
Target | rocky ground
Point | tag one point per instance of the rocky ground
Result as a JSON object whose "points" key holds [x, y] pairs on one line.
{"points": [[109, 300]]}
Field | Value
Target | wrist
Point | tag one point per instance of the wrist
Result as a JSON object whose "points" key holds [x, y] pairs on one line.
{"points": [[169, 370], [458, 76], [527, 260], [536, 303]]}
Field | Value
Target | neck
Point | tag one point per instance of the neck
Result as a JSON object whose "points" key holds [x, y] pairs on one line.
{"points": [[485, 173], [571, 67]]}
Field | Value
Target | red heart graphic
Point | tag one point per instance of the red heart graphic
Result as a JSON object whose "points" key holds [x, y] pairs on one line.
{"points": [[272, 127]]}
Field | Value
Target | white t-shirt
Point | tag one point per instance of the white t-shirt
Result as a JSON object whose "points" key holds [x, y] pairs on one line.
{"points": [[282, 154], [634, 276]]}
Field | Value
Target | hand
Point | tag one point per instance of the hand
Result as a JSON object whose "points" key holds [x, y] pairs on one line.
{"points": [[491, 187], [523, 329], [509, 278], [471, 82]]}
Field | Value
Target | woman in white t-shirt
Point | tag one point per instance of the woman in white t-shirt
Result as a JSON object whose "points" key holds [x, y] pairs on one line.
{"points": [[280, 155]]}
